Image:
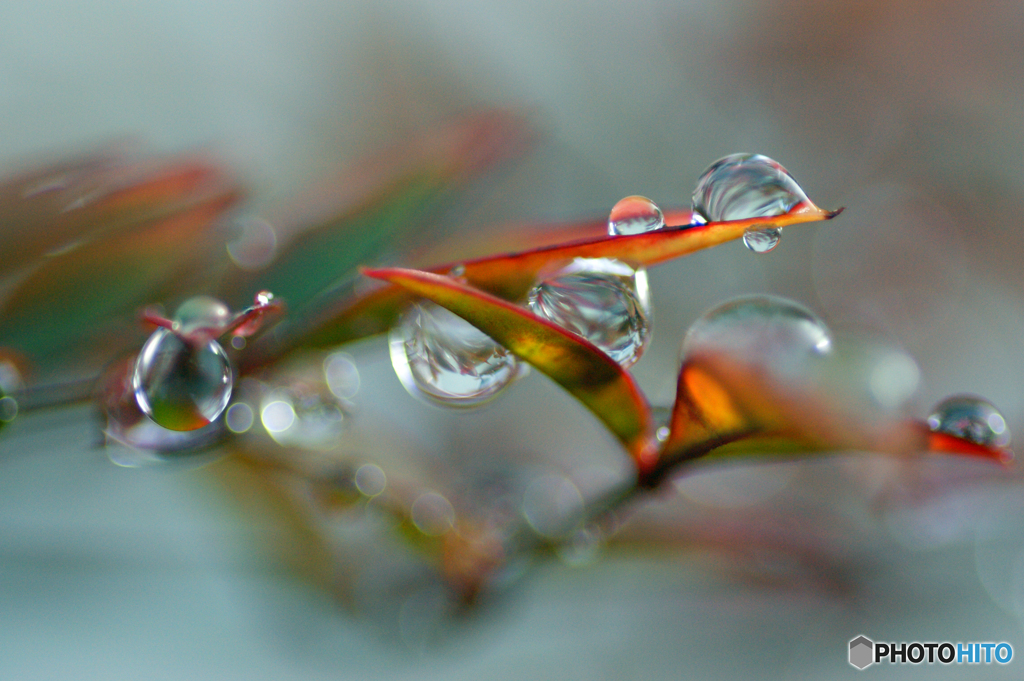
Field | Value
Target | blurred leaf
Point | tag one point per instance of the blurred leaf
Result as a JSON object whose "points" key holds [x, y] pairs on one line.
{"points": [[511, 276], [77, 294], [49, 208], [330, 231], [728, 407], [572, 362]]}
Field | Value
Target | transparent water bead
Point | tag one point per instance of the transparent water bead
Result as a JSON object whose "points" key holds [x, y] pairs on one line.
{"points": [[742, 186], [440, 356], [635, 215], [762, 240], [201, 314], [603, 300], [764, 330], [971, 418], [181, 385]]}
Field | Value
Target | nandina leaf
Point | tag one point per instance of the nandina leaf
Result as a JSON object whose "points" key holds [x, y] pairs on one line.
{"points": [[572, 362], [510, 276], [52, 207], [77, 294], [727, 407]]}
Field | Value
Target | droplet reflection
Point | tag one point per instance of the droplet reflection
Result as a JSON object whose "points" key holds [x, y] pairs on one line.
{"points": [[762, 240]]}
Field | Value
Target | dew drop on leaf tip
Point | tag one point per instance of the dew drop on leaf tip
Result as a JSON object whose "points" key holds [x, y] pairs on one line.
{"points": [[971, 418], [744, 186]]}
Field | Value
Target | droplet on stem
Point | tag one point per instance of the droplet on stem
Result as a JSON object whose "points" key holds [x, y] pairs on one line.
{"points": [[635, 215], [603, 300], [440, 356], [180, 384], [971, 418]]}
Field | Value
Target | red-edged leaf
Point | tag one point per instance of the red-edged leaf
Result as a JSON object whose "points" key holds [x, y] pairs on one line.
{"points": [[572, 362], [51, 207], [511, 276], [727, 407]]}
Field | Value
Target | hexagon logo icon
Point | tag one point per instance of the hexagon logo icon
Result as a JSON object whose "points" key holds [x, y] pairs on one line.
{"points": [[862, 652]]}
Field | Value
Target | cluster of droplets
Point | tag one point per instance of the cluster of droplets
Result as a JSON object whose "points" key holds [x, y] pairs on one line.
{"points": [[443, 358], [744, 186]]}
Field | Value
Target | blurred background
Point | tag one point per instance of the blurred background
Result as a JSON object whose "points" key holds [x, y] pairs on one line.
{"points": [[907, 113]]}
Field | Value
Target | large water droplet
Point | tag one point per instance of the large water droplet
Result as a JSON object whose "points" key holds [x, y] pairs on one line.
{"points": [[179, 384], [201, 314], [764, 330], [971, 418], [603, 300], [744, 186], [762, 240], [635, 215], [440, 356]]}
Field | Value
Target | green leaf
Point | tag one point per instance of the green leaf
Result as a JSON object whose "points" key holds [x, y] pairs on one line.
{"points": [[575, 364]]}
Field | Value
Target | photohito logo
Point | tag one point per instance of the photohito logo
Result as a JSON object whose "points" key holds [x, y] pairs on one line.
{"points": [[865, 652]]}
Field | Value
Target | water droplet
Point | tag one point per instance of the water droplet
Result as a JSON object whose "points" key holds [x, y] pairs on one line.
{"points": [[432, 514], [457, 272], [370, 479], [179, 384], [744, 186], [440, 356], [762, 240], [635, 215], [8, 409], [971, 418], [765, 330], [201, 314], [239, 418], [604, 301]]}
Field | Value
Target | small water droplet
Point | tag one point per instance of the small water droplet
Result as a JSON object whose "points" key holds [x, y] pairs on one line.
{"points": [[239, 418], [766, 330], [743, 186], [8, 409], [457, 272], [762, 240], [179, 384], [971, 418], [432, 514], [370, 479], [635, 215], [603, 300], [201, 314], [440, 356]]}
